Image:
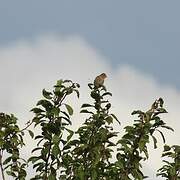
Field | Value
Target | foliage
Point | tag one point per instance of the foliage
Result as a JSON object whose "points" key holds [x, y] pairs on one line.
{"points": [[53, 116], [11, 140], [171, 169], [86, 154], [133, 145]]}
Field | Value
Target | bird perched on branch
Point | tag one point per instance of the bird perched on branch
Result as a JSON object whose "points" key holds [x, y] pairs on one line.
{"points": [[99, 80]]}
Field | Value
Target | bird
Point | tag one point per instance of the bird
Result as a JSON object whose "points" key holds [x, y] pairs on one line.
{"points": [[99, 80]]}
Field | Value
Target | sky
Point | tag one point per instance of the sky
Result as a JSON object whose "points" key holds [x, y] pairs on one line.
{"points": [[135, 43]]}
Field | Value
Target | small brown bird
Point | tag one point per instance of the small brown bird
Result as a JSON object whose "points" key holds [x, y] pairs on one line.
{"points": [[99, 80]]}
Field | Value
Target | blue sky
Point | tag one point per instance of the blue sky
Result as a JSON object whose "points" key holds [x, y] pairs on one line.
{"points": [[135, 42], [144, 34]]}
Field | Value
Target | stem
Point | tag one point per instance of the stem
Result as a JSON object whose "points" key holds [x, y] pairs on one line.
{"points": [[28, 124], [1, 166], [46, 166], [60, 102]]}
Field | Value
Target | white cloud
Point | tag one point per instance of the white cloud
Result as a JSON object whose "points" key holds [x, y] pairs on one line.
{"points": [[26, 68]]}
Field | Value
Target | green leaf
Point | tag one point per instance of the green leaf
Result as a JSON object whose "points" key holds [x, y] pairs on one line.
{"points": [[108, 106], [40, 167], [167, 154], [7, 160], [129, 129], [67, 81], [137, 112], [55, 150], [95, 95], [56, 139], [161, 110], [52, 177], [37, 110], [73, 142], [67, 119], [167, 148], [39, 137], [155, 142], [90, 85], [162, 135], [77, 92], [36, 149], [142, 145], [86, 105], [167, 127], [55, 111], [33, 159], [69, 109], [109, 120], [86, 111], [112, 134], [161, 101], [66, 114], [59, 82], [45, 103], [44, 152], [10, 173], [46, 94], [115, 118], [31, 133], [67, 146], [107, 93]]}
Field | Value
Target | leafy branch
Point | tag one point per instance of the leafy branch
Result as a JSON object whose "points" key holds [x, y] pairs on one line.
{"points": [[134, 143], [53, 116], [11, 140], [171, 169]]}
